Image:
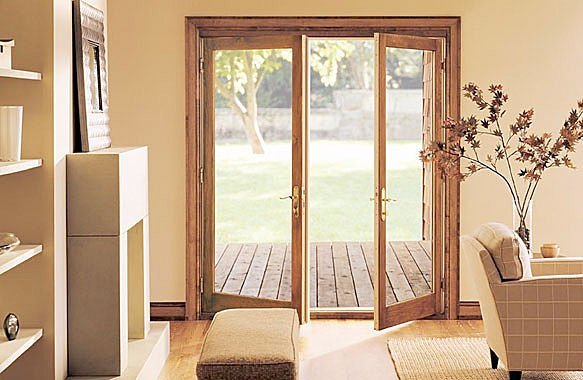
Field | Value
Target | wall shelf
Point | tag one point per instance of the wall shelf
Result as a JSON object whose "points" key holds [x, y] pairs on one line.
{"points": [[12, 350], [9, 167], [20, 74], [17, 256]]}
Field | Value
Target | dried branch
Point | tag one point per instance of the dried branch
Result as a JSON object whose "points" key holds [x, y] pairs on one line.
{"points": [[533, 153]]}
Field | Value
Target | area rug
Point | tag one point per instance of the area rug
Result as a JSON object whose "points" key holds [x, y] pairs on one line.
{"points": [[454, 358]]}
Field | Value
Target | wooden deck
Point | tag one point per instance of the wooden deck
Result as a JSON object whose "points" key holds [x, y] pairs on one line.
{"points": [[341, 273]]}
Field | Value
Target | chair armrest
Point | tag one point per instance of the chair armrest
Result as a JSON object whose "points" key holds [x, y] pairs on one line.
{"points": [[549, 280], [541, 291], [559, 265], [538, 316]]}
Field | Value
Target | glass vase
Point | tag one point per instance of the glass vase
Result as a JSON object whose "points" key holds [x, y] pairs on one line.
{"points": [[522, 224]]}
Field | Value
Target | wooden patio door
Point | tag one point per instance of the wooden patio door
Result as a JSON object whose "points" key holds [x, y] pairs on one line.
{"points": [[399, 299], [254, 213]]}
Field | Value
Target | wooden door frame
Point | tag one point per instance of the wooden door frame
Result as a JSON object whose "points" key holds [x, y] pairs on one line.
{"points": [[448, 28]]}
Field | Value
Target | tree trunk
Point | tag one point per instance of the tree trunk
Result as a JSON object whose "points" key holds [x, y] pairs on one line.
{"points": [[253, 134], [251, 117], [358, 57]]}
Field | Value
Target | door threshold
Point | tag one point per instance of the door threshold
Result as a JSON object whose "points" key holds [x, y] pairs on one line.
{"points": [[342, 313]]}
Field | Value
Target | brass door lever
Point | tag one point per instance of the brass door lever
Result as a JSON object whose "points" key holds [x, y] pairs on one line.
{"points": [[295, 197], [384, 201]]}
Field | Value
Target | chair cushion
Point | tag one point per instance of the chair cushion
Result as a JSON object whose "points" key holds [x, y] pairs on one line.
{"points": [[507, 249], [251, 344]]}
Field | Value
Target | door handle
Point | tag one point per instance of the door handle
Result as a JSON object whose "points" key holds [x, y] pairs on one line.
{"points": [[296, 201], [384, 201], [295, 198]]}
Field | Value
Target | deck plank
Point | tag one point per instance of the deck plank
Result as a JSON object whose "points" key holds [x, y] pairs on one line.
{"points": [[426, 245], [240, 269], [256, 273], [284, 293], [272, 280], [343, 275], [313, 276], [326, 284], [368, 249], [219, 250], [224, 266], [362, 280], [423, 262], [401, 286], [412, 272]]}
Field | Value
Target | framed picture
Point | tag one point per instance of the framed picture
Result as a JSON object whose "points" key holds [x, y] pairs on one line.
{"points": [[90, 72]]}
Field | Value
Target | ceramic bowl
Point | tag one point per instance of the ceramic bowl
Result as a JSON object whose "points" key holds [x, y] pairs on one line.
{"points": [[8, 242], [550, 250]]}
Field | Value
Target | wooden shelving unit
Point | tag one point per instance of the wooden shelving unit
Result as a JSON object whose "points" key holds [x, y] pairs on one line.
{"points": [[18, 256], [12, 350], [20, 74], [9, 167]]}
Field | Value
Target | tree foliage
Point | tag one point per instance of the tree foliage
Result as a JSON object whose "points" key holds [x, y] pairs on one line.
{"points": [[335, 64]]}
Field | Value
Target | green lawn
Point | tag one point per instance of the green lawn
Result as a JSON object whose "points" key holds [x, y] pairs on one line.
{"points": [[248, 187]]}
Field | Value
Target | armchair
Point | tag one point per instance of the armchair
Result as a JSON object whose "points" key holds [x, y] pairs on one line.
{"points": [[531, 323]]}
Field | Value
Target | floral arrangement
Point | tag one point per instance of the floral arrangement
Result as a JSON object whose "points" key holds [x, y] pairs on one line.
{"points": [[517, 152]]}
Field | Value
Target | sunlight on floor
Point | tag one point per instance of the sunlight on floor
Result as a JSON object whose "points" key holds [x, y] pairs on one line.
{"points": [[345, 350]]}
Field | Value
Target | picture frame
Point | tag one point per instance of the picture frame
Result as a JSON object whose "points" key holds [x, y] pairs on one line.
{"points": [[92, 131]]}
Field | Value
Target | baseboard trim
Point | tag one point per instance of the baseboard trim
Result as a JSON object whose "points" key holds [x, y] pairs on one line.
{"points": [[470, 310], [341, 313], [176, 311], [167, 311]]}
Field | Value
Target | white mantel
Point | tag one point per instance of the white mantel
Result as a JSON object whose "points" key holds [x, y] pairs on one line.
{"points": [[108, 259]]}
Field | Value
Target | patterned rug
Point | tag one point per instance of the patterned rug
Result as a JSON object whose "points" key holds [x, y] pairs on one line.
{"points": [[453, 359]]}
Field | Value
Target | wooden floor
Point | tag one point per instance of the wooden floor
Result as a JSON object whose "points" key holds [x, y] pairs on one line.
{"points": [[329, 349], [341, 272]]}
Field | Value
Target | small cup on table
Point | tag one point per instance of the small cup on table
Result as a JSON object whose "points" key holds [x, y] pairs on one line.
{"points": [[550, 250]]}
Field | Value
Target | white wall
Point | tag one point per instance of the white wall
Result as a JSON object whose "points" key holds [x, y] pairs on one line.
{"points": [[532, 47]]}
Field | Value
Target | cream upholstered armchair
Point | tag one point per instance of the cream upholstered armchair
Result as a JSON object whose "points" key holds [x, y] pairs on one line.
{"points": [[533, 321]]}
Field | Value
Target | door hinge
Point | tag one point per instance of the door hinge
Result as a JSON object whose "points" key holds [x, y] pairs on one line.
{"points": [[443, 65], [442, 284], [201, 64], [201, 175], [201, 285]]}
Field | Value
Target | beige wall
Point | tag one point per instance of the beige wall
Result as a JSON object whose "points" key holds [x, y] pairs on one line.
{"points": [[529, 46]]}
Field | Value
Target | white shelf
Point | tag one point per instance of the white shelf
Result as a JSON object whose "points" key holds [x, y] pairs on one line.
{"points": [[20, 74], [17, 256], [9, 167], [12, 350]]}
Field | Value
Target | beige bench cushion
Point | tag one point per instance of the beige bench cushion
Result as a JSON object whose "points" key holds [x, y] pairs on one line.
{"points": [[507, 249], [251, 344]]}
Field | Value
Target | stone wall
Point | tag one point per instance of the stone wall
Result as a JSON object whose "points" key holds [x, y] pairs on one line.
{"points": [[351, 117]]}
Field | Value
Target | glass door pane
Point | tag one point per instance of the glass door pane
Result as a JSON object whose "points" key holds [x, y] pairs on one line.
{"points": [[252, 174], [407, 107], [408, 253], [253, 171]]}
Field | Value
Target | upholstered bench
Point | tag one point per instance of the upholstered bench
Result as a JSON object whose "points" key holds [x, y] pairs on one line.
{"points": [[246, 344]]}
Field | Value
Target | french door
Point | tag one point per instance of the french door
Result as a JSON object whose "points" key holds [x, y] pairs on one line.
{"points": [[254, 219], [397, 301], [255, 244]]}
